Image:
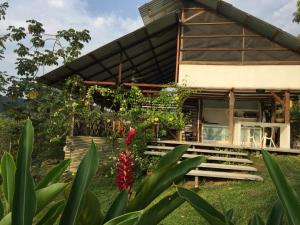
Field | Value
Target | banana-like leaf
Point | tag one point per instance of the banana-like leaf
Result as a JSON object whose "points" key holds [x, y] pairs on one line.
{"points": [[168, 160], [1, 209], [54, 174], [207, 211], [24, 200], [86, 171], [287, 195], [6, 220], [160, 210], [256, 220], [46, 195], [53, 213], [8, 168], [118, 207], [126, 219], [91, 212], [276, 215], [160, 181]]}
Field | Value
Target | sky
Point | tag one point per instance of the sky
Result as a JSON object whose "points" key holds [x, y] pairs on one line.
{"points": [[110, 19]]}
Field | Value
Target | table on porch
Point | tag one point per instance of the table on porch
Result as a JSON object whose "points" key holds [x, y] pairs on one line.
{"points": [[284, 140]]}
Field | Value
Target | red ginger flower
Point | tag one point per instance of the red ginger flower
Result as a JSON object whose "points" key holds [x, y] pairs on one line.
{"points": [[131, 135], [124, 173]]}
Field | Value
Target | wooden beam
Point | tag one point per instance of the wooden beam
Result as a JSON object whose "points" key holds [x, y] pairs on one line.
{"points": [[148, 85], [178, 51], [287, 107], [277, 98], [120, 69], [91, 82], [239, 62], [231, 117], [152, 50], [199, 120], [235, 49]]}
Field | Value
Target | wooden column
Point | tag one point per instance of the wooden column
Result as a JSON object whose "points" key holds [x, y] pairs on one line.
{"points": [[199, 119], [120, 69], [178, 47], [287, 107], [230, 117]]}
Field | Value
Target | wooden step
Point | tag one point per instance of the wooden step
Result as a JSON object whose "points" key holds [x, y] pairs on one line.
{"points": [[210, 158], [227, 146], [207, 151], [227, 167], [225, 175]]}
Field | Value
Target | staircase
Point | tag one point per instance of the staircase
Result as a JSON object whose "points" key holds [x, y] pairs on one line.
{"points": [[222, 164]]}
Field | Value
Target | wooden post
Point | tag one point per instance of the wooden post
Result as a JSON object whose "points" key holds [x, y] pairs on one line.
{"points": [[287, 107], [273, 112], [230, 117], [178, 49], [120, 69], [199, 120]]}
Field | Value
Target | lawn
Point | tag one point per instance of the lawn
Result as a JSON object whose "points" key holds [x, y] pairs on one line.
{"points": [[245, 197]]}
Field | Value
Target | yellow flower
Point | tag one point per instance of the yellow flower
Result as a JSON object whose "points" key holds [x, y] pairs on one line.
{"points": [[177, 98], [156, 119]]}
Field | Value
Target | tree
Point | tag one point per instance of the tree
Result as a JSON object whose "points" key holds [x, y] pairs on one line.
{"points": [[36, 49], [297, 13]]}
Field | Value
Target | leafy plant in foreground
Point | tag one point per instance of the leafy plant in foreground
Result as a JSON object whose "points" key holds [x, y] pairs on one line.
{"points": [[288, 202], [42, 204]]}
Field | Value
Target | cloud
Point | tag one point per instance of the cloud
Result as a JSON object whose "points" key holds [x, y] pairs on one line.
{"points": [[276, 12], [105, 27], [63, 14]]}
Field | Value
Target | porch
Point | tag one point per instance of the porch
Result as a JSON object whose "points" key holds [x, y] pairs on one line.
{"points": [[244, 119]]}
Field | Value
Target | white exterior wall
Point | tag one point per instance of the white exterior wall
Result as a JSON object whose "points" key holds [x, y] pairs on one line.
{"points": [[240, 76]]}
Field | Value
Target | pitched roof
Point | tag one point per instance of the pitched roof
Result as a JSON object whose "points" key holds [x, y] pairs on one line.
{"points": [[158, 8], [149, 55]]}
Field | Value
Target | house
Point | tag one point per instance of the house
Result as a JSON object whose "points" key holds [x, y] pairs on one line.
{"points": [[245, 71]]}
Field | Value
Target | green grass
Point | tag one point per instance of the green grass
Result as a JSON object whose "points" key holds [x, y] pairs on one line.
{"points": [[245, 197]]}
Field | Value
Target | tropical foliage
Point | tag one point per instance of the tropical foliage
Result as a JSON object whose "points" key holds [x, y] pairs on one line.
{"points": [[27, 202]]}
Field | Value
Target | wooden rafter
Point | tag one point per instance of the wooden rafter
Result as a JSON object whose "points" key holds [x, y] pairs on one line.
{"points": [[132, 58], [277, 98], [152, 50], [128, 58], [105, 69]]}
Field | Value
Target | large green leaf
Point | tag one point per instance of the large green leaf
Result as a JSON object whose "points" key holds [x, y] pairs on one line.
{"points": [[118, 207], [208, 212], [24, 200], [46, 195], [287, 195], [1, 209], [52, 214], [161, 209], [53, 176], [126, 219], [6, 220], [168, 160], [160, 180], [90, 213], [256, 220], [276, 214], [8, 170], [86, 171]]}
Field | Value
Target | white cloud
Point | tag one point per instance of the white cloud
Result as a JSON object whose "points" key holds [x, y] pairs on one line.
{"points": [[276, 12], [63, 14]]}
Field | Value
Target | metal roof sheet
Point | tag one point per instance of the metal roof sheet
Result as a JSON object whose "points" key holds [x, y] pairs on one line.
{"points": [[140, 48]]}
